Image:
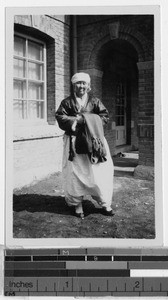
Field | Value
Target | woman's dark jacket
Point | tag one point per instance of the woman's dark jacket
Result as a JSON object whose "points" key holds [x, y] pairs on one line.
{"points": [[66, 115], [69, 109]]}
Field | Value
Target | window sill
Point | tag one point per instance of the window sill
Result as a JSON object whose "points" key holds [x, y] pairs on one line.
{"points": [[38, 131]]}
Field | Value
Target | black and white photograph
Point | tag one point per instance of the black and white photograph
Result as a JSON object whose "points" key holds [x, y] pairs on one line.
{"points": [[84, 117]]}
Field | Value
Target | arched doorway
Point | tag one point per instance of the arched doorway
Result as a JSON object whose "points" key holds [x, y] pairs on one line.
{"points": [[119, 53], [118, 61]]}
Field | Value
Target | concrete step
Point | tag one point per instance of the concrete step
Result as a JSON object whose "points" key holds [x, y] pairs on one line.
{"points": [[126, 164], [121, 171]]}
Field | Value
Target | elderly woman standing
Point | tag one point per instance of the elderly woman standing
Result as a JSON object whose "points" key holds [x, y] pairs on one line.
{"points": [[87, 164]]}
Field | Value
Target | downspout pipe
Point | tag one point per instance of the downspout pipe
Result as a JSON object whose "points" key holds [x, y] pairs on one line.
{"points": [[74, 67]]}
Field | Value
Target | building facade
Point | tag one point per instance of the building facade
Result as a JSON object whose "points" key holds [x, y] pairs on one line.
{"points": [[117, 52]]}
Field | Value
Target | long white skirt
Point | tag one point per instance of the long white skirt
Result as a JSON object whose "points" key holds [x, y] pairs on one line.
{"points": [[81, 177]]}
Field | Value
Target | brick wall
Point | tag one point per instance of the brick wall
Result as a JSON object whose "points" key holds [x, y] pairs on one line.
{"points": [[141, 25], [38, 149], [146, 113], [97, 38]]}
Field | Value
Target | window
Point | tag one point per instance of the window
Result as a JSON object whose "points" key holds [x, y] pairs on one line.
{"points": [[120, 105], [29, 84]]}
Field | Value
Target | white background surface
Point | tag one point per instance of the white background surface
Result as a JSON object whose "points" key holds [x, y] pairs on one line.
{"points": [[164, 91]]}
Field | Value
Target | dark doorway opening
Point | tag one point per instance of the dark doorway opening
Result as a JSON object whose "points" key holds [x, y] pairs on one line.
{"points": [[118, 61]]}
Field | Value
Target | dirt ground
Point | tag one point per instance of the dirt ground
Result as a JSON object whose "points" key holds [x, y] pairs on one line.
{"points": [[40, 211]]}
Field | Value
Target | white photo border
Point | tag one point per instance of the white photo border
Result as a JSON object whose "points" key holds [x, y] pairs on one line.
{"points": [[10, 242]]}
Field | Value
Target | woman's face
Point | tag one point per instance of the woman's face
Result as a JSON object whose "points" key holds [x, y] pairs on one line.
{"points": [[80, 88]]}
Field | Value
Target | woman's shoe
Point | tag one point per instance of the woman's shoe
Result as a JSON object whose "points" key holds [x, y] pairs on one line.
{"points": [[109, 213], [74, 213], [79, 215]]}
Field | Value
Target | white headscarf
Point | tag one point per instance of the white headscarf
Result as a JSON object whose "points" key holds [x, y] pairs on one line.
{"points": [[80, 77]]}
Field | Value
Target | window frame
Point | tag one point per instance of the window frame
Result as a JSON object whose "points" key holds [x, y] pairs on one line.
{"points": [[27, 37]]}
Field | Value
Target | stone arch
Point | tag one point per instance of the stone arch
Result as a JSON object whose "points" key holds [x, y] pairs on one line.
{"points": [[125, 33]]}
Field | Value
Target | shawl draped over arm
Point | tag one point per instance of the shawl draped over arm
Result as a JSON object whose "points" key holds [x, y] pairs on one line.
{"points": [[67, 114], [91, 139]]}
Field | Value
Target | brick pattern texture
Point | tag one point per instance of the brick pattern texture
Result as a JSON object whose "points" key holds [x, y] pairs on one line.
{"points": [[116, 45], [110, 48]]}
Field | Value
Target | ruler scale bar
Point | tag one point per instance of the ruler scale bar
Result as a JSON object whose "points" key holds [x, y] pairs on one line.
{"points": [[88, 285], [89, 251], [85, 265], [65, 265], [68, 273], [149, 273], [18, 258], [155, 258], [96, 265], [99, 258], [88, 294], [59, 258], [83, 258], [34, 265], [86, 272], [148, 265], [127, 258]]}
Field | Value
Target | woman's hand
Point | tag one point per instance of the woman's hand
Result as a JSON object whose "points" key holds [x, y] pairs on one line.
{"points": [[79, 119]]}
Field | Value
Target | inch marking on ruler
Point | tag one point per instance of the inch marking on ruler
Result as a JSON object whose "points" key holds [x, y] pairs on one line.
{"points": [[90, 287], [116, 286]]}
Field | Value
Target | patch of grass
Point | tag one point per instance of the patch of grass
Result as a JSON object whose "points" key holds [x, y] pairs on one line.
{"points": [[41, 212]]}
